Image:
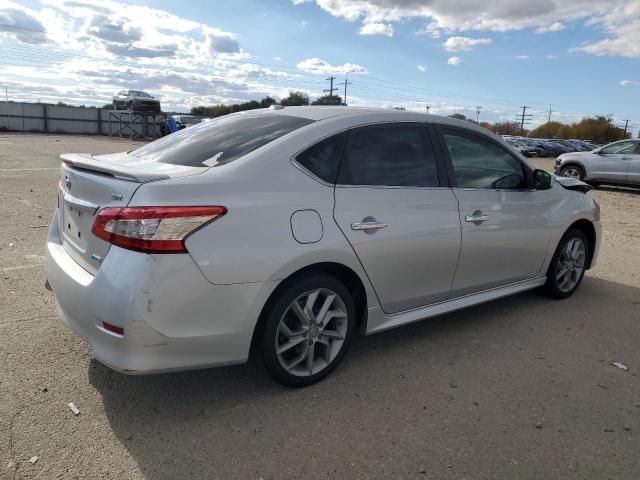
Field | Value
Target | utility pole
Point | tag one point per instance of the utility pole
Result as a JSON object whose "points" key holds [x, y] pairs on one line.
{"points": [[626, 124], [6, 94], [549, 122], [524, 118], [428, 108], [331, 88], [478, 110], [345, 83]]}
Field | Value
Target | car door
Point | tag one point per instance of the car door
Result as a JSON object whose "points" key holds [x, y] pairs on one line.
{"points": [[633, 174], [612, 162], [393, 206], [505, 224]]}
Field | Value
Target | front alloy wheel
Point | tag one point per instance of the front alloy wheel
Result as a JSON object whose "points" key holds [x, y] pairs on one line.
{"points": [[567, 265], [307, 332], [572, 171]]}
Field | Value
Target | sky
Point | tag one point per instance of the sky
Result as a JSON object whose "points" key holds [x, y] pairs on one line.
{"points": [[575, 57]]}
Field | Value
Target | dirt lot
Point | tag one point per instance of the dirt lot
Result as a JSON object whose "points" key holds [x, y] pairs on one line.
{"points": [[519, 388]]}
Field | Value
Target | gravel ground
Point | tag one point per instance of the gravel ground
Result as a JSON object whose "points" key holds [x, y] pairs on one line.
{"points": [[519, 388]]}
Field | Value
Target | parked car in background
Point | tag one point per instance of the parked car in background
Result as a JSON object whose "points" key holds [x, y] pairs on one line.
{"points": [[136, 100], [290, 230], [184, 121], [522, 147], [617, 163]]}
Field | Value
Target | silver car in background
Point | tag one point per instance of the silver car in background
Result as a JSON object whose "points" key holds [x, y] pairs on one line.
{"points": [[136, 100], [615, 164], [290, 230]]}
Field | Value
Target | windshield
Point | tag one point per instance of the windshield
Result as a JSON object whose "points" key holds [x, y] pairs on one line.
{"points": [[137, 93], [220, 141]]}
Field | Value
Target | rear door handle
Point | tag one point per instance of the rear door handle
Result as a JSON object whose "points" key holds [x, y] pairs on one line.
{"points": [[476, 218], [371, 225]]}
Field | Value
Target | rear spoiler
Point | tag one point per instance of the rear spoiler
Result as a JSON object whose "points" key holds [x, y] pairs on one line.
{"points": [[573, 184], [87, 161]]}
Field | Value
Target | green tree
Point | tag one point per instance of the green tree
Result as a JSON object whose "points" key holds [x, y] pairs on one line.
{"points": [[458, 116], [296, 97], [328, 100]]}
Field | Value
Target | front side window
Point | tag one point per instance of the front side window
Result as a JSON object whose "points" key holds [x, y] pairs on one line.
{"points": [[389, 155], [220, 141], [620, 147], [323, 159], [480, 163]]}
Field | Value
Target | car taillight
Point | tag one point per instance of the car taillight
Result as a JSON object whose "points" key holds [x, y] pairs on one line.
{"points": [[153, 229]]}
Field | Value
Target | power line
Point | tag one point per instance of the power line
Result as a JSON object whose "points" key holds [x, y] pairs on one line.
{"points": [[524, 116], [331, 88], [345, 83]]}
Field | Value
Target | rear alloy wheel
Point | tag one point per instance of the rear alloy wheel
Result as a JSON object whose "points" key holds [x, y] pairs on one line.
{"points": [[567, 265], [572, 171], [308, 331]]}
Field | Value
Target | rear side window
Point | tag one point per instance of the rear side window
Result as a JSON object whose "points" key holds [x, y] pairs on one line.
{"points": [[220, 141], [389, 155], [323, 159]]}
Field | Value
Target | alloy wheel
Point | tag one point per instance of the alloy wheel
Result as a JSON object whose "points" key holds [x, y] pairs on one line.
{"points": [[572, 172], [311, 332], [570, 265]]}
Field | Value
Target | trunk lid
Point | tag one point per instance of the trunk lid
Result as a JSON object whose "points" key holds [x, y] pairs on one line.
{"points": [[90, 183]]}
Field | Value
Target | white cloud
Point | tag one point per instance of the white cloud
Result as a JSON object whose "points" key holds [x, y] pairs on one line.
{"points": [[629, 83], [222, 42], [554, 27], [90, 50], [422, 68], [619, 19], [455, 61], [453, 44], [522, 57], [320, 67], [551, 57], [377, 29]]}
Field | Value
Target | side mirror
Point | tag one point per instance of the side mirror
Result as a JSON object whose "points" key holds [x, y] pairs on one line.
{"points": [[541, 180], [597, 151]]}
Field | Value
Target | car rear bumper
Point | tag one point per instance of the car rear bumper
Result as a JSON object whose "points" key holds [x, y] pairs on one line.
{"points": [[173, 318]]}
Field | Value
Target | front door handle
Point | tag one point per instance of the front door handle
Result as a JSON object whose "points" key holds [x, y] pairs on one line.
{"points": [[477, 217], [368, 225]]}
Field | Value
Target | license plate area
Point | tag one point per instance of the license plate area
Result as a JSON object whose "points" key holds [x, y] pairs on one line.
{"points": [[77, 224]]}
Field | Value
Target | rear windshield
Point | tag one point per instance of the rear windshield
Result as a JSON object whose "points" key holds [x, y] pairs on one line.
{"points": [[220, 141]]}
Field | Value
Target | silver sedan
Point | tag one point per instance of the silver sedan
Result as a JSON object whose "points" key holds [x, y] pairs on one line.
{"points": [[291, 230], [615, 164]]}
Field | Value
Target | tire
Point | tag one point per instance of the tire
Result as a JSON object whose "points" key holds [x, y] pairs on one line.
{"points": [[560, 286], [572, 171], [285, 326]]}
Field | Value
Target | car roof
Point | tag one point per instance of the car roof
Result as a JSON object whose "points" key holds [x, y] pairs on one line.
{"points": [[371, 114]]}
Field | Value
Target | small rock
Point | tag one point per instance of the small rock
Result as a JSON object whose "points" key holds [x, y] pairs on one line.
{"points": [[422, 471], [45, 389], [11, 244], [608, 429], [476, 403], [33, 460], [604, 387], [453, 385], [74, 409], [627, 427], [538, 425], [11, 464], [621, 366]]}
